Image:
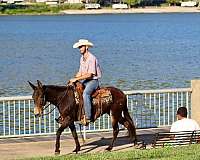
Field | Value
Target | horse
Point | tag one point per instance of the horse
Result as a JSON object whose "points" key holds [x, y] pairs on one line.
{"points": [[63, 97]]}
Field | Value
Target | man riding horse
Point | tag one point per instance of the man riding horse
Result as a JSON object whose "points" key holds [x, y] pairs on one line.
{"points": [[106, 100], [89, 74]]}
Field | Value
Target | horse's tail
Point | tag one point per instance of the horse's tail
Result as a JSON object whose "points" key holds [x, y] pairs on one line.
{"points": [[129, 124]]}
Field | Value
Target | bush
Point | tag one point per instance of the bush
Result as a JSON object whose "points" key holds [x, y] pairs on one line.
{"points": [[174, 2], [132, 2]]}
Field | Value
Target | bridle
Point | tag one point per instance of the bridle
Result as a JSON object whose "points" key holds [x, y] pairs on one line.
{"points": [[46, 106]]}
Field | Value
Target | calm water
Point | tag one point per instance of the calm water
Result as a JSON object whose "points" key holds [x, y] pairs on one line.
{"points": [[136, 51]]}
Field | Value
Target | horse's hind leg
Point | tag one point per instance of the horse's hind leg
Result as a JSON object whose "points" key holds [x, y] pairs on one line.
{"points": [[74, 134], [115, 132], [131, 128]]}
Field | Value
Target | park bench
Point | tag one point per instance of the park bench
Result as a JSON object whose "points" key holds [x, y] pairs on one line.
{"points": [[173, 139]]}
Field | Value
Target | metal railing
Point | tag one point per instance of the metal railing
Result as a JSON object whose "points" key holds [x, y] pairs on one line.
{"points": [[148, 108], [155, 108]]}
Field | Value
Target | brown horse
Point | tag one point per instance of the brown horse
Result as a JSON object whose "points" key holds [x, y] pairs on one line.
{"points": [[63, 98]]}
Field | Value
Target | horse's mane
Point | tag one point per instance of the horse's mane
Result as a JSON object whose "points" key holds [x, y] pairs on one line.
{"points": [[59, 88]]}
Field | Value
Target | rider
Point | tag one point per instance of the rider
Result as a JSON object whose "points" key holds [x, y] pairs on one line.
{"points": [[89, 73]]}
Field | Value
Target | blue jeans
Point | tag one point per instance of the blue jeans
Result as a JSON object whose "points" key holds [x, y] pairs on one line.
{"points": [[90, 86]]}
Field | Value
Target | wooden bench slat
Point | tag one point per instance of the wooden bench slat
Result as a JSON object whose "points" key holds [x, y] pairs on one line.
{"points": [[163, 139]]}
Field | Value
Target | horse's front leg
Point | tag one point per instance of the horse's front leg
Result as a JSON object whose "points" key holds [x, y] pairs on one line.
{"points": [[74, 134], [65, 124]]}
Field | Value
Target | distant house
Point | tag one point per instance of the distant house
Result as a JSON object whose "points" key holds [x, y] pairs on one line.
{"points": [[120, 6], [41, 1], [12, 1], [92, 6], [52, 2], [73, 1], [49, 2], [189, 4]]}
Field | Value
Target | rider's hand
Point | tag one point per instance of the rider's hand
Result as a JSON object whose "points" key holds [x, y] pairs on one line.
{"points": [[72, 80]]}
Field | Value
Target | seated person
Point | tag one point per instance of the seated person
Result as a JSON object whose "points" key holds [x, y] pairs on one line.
{"points": [[183, 123]]}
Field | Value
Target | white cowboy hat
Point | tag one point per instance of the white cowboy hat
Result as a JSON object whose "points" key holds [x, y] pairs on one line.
{"points": [[82, 42]]}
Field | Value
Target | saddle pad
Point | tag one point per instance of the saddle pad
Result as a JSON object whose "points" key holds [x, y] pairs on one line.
{"points": [[100, 96]]}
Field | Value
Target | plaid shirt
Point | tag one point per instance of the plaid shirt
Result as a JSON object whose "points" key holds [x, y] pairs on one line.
{"points": [[90, 65]]}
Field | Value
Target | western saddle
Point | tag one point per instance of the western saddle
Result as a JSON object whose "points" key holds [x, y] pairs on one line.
{"points": [[99, 97]]}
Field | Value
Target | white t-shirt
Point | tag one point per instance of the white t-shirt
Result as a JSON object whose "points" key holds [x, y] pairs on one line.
{"points": [[184, 124]]}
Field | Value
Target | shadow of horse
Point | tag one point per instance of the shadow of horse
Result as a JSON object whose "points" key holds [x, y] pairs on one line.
{"points": [[122, 143], [100, 144]]}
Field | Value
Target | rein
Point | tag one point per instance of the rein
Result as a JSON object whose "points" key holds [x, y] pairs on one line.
{"points": [[45, 107]]}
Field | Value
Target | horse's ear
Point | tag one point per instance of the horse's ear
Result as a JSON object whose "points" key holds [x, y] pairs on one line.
{"points": [[32, 85], [39, 84]]}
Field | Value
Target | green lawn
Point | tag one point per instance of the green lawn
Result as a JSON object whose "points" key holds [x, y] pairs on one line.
{"points": [[15, 9], [191, 152]]}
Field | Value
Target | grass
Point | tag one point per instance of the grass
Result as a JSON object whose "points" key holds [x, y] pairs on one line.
{"points": [[13, 9], [191, 152]]}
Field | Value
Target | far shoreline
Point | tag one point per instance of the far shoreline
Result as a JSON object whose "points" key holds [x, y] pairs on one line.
{"points": [[140, 10], [170, 9]]}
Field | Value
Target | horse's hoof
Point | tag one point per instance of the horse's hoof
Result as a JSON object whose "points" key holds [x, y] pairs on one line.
{"points": [[140, 146], [134, 141], [109, 148], [57, 152], [76, 150]]}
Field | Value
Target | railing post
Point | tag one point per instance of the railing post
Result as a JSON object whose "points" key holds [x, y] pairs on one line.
{"points": [[195, 104], [84, 132]]}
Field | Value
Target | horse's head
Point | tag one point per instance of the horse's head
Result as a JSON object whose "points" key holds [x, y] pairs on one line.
{"points": [[38, 97]]}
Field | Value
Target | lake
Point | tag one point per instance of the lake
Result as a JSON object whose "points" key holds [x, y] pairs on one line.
{"points": [[136, 51]]}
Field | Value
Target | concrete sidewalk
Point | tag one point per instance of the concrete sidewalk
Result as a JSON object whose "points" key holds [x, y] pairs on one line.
{"points": [[27, 147]]}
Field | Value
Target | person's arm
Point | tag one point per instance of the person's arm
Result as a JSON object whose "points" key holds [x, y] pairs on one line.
{"points": [[78, 74], [196, 126], [91, 72], [79, 77], [173, 127]]}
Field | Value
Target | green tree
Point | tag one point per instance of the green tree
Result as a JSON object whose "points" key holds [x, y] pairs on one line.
{"points": [[132, 2], [173, 2]]}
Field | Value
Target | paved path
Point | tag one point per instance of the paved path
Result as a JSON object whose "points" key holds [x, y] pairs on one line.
{"points": [[24, 147]]}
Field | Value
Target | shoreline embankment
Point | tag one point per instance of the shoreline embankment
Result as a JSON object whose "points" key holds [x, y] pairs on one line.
{"points": [[169, 9], [148, 10]]}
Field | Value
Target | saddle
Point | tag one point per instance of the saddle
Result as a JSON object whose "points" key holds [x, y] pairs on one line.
{"points": [[99, 97]]}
